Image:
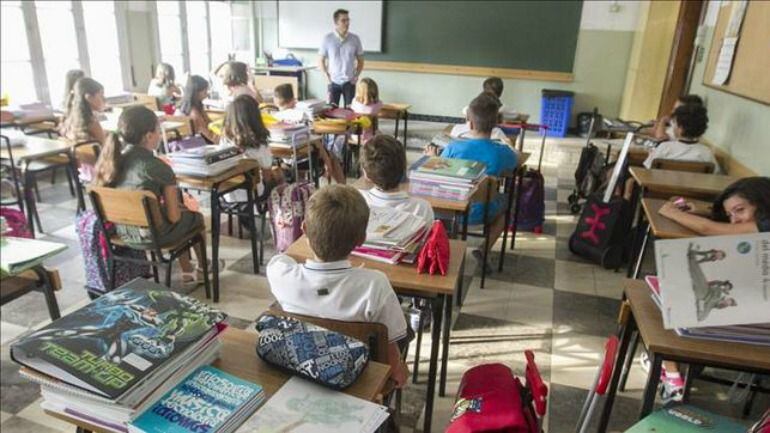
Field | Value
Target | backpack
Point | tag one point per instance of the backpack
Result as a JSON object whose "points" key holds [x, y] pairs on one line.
{"points": [[600, 234], [93, 246], [287, 211], [16, 222], [531, 202]]}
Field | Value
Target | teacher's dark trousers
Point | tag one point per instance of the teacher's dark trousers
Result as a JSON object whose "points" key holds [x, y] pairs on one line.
{"points": [[347, 90]]}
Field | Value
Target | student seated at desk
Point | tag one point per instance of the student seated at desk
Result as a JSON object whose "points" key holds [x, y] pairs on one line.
{"points": [[70, 78], [743, 207], [236, 79], [329, 286], [498, 158], [463, 130], [383, 162], [163, 86], [663, 129], [367, 102], [80, 123], [243, 128], [127, 162], [284, 100], [689, 122], [196, 90]]}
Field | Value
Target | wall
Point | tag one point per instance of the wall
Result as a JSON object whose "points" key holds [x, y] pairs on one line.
{"points": [[604, 44], [737, 125], [648, 65]]}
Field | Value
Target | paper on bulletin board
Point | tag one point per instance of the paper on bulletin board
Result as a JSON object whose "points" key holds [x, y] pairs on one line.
{"points": [[736, 19], [725, 61]]}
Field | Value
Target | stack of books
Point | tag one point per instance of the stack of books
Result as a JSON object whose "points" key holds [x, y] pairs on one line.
{"points": [[445, 178], [207, 400], [311, 107], [715, 287], [111, 360], [392, 236], [683, 418], [303, 406], [19, 254], [205, 161], [288, 135]]}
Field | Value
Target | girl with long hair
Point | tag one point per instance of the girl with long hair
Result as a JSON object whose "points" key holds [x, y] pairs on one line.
{"points": [[195, 91]]}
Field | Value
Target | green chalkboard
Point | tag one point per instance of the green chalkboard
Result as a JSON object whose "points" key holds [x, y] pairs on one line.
{"points": [[534, 35]]}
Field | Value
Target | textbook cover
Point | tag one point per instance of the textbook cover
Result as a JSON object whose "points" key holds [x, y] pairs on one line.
{"points": [[208, 400], [112, 344], [715, 280], [685, 419], [461, 169]]}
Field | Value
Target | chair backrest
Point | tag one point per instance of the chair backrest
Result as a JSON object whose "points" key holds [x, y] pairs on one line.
{"points": [[375, 335], [87, 151], [266, 84], [186, 129], [679, 165], [126, 207], [148, 101], [486, 190]]}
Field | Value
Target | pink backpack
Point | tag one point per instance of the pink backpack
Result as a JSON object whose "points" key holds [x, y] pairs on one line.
{"points": [[287, 211], [17, 223]]}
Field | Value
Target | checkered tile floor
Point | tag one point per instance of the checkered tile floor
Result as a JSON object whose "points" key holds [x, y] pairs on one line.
{"points": [[545, 299]]}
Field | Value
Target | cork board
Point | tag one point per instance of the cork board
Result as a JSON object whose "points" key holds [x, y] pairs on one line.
{"points": [[749, 77]]}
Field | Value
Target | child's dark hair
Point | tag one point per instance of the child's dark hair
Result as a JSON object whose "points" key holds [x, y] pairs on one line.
{"points": [[80, 114], [493, 85], [338, 13], [691, 99], [755, 190], [236, 74], [284, 92], [483, 112], [190, 100], [164, 74], [72, 76], [693, 119], [134, 124], [243, 123], [384, 161]]}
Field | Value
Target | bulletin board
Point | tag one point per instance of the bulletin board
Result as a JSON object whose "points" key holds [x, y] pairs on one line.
{"points": [[749, 77]]}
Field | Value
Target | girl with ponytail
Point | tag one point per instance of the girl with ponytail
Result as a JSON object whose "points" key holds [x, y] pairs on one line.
{"points": [[81, 124], [127, 162]]}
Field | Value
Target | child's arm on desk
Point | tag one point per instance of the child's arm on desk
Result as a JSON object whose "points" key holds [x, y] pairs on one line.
{"points": [[704, 226]]}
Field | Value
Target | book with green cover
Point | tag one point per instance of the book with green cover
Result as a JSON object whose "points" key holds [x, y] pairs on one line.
{"points": [[19, 254], [685, 419], [448, 167]]}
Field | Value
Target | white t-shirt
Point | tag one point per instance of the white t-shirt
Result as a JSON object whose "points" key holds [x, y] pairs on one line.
{"points": [[682, 151], [336, 290], [400, 200], [462, 130]]}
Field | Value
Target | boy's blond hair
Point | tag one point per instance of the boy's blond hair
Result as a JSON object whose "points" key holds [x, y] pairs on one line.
{"points": [[384, 161], [367, 91], [335, 221]]}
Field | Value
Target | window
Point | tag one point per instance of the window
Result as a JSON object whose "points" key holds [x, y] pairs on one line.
{"points": [[16, 80], [170, 32], [221, 32], [197, 39], [56, 26], [102, 42]]}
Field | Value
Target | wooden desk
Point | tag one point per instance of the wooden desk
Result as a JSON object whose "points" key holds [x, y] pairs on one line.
{"points": [[672, 182], [396, 111], [36, 148], [217, 186], [239, 358], [295, 154], [665, 228], [436, 289], [663, 344]]}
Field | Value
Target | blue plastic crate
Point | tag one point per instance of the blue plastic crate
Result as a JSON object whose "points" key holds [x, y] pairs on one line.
{"points": [[556, 111]]}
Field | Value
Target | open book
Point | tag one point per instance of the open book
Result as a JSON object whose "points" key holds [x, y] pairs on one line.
{"points": [[19, 254]]}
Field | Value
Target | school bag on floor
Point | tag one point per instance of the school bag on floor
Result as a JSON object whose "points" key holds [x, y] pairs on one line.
{"points": [[16, 223], [492, 400], [93, 246], [532, 194], [287, 211], [601, 231]]}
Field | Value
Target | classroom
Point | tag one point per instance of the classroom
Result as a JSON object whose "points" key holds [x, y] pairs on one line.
{"points": [[384, 216]]}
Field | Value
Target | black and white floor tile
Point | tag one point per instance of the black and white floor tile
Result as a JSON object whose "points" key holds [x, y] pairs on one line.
{"points": [[546, 299]]}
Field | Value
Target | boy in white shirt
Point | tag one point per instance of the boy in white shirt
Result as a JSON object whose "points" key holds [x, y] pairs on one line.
{"points": [[383, 161], [689, 122], [328, 286]]}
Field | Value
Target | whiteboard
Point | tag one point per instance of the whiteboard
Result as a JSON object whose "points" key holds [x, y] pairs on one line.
{"points": [[303, 24]]}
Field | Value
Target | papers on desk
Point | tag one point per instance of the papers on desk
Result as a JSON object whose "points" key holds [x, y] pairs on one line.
{"points": [[305, 407], [287, 135], [205, 161], [19, 254], [391, 235], [444, 178], [714, 281]]}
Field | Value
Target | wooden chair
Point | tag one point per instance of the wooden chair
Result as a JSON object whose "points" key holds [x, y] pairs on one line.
{"points": [[186, 130], [35, 279], [679, 165], [142, 209], [148, 101], [485, 194]]}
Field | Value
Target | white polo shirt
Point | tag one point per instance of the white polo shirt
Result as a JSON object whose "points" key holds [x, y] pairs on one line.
{"points": [[400, 200], [336, 290], [682, 151]]}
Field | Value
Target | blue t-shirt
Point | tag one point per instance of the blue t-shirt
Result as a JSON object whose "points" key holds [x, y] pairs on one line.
{"points": [[497, 157]]}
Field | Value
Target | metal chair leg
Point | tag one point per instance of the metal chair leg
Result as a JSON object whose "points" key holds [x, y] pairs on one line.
{"points": [[418, 343], [628, 361], [206, 282], [168, 273]]}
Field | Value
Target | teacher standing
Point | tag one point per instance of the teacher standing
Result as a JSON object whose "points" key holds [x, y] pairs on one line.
{"points": [[342, 59]]}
